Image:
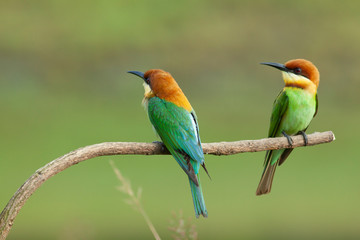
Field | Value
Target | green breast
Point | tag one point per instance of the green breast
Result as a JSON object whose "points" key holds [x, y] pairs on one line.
{"points": [[300, 112]]}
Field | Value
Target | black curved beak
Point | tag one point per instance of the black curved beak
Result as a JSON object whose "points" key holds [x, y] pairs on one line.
{"points": [[276, 65], [137, 73]]}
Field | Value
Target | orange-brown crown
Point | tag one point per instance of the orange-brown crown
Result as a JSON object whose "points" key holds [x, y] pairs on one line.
{"points": [[307, 69], [164, 86]]}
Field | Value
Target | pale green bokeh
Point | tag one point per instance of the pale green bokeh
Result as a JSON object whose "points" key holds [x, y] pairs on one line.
{"points": [[63, 85]]}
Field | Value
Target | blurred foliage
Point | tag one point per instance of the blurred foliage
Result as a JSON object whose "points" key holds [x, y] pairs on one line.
{"points": [[63, 85]]}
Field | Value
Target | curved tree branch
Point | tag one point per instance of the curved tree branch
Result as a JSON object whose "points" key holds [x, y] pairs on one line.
{"points": [[13, 207]]}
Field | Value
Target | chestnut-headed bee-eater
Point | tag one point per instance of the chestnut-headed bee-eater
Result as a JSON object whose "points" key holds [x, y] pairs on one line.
{"points": [[293, 110], [175, 122]]}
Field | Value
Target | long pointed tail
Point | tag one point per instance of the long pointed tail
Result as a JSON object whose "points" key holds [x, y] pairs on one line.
{"points": [[266, 179], [198, 198]]}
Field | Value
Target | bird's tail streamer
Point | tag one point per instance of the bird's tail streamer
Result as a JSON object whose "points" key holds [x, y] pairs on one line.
{"points": [[198, 198]]}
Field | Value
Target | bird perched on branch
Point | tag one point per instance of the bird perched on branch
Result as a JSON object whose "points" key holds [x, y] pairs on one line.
{"points": [[175, 122], [293, 110]]}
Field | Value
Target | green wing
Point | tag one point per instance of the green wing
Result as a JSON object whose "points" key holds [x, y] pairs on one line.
{"points": [[316, 104], [280, 106], [179, 131]]}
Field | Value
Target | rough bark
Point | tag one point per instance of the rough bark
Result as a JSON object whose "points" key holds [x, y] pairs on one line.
{"points": [[13, 207]]}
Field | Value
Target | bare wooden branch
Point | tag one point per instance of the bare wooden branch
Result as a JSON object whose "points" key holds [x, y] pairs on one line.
{"points": [[13, 207]]}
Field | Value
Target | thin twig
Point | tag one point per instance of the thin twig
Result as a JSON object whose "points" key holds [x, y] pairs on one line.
{"points": [[134, 199], [13, 207]]}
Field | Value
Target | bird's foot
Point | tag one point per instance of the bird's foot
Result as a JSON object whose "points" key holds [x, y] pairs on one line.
{"points": [[305, 137], [163, 148], [290, 141]]}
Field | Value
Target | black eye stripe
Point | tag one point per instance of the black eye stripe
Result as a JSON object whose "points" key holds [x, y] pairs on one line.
{"points": [[297, 70]]}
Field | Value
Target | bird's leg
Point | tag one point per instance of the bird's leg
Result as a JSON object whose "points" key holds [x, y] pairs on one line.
{"points": [[305, 137], [290, 141]]}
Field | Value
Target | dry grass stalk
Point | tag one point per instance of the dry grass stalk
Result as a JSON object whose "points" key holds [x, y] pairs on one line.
{"points": [[134, 199], [184, 230]]}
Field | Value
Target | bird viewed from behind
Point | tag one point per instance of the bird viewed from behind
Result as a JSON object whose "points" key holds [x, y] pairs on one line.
{"points": [[175, 122], [293, 110]]}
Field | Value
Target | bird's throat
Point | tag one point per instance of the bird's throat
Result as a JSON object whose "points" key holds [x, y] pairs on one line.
{"points": [[148, 92], [297, 81], [147, 95]]}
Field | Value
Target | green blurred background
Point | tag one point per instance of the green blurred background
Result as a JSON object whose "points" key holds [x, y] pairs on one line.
{"points": [[63, 85]]}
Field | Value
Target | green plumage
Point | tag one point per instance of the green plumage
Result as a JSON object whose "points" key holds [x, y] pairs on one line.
{"points": [[178, 129], [293, 110]]}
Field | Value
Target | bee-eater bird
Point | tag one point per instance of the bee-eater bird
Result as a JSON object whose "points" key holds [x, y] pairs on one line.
{"points": [[175, 122], [293, 110]]}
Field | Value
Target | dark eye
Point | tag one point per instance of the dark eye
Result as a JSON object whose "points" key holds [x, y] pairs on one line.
{"points": [[297, 70], [147, 80]]}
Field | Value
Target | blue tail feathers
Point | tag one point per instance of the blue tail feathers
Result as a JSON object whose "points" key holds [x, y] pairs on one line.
{"points": [[198, 198]]}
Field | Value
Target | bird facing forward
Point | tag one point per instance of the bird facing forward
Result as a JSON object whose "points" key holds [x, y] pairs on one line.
{"points": [[175, 122], [293, 110]]}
